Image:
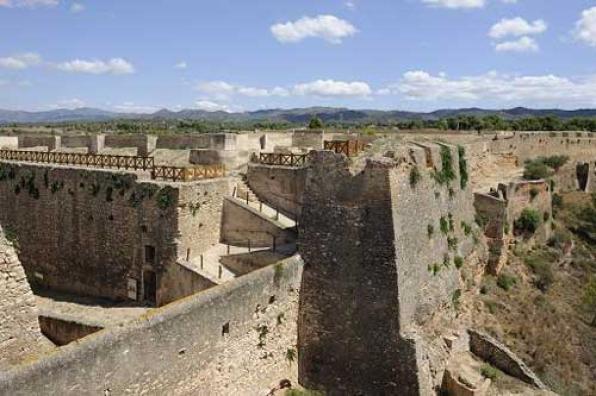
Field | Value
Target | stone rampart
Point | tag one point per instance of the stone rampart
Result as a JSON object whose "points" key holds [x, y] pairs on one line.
{"points": [[310, 139], [145, 144], [103, 233], [230, 340], [380, 248], [243, 225], [281, 187], [51, 142], [20, 334]]}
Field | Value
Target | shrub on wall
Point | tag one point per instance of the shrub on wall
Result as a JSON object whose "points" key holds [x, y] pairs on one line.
{"points": [[463, 167], [528, 221]]}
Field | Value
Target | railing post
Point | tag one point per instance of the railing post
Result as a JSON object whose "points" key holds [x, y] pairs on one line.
{"points": [[274, 243], [276, 214], [201, 261], [247, 197], [228, 249], [220, 272], [249, 246], [260, 206]]}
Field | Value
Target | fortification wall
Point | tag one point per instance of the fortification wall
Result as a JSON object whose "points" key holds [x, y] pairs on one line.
{"points": [[20, 334], [245, 226], [528, 145], [229, 340], [213, 141], [9, 142], [312, 139], [145, 144], [280, 187], [425, 261], [94, 232], [51, 142], [380, 250]]}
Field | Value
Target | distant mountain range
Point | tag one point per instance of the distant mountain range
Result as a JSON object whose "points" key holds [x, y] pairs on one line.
{"points": [[301, 115]]}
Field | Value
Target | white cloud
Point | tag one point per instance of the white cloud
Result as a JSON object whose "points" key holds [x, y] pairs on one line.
{"points": [[586, 27], [524, 44], [502, 88], [516, 27], [350, 4], [181, 65], [210, 106], [509, 1], [222, 91], [331, 88], [132, 107], [112, 66], [73, 103], [29, 3], [20, 61], [327, 27], [456, 3], [76, 8]]}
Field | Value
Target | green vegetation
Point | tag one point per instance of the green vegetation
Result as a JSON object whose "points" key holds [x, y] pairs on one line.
{"points": [[541, 263], [533, 193], [528, 221], [544, 167], [444, 225], [315, 123], [589, 298], [463, 167], [415, 176], [458, 261], [466, 227], [291, 355], [489, 372], [506, 281], [455, 298], [447, 173], [164, 199]]}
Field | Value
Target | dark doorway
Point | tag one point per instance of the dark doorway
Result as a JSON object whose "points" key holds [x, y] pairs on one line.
{"points": [[583, 173], [149, 286]]}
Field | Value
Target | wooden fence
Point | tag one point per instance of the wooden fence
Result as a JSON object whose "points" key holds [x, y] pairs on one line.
{"points": [[283, 159], [351, 148], [117, 162]]}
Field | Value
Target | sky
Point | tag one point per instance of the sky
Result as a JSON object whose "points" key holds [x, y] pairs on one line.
{"points": [[239, 55]]}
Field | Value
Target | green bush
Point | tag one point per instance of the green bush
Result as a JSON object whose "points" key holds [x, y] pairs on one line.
{"points": [[528, 221], [430, 230], [540, 262], [489, 372], [506, 281], [458, 261], [444, 225], [536, 170], [533, 193]]}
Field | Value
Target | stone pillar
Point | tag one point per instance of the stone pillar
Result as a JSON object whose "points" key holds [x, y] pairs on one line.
{"points": [[97, 143]]}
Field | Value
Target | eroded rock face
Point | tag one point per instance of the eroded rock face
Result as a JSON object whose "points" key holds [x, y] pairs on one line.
{"points": [[19, 329]]}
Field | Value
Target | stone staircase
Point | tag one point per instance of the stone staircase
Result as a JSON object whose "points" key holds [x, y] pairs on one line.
{"points": [[244, 194]]}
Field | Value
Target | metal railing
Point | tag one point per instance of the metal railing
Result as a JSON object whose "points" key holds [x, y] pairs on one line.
{"points": [[117, 162]]}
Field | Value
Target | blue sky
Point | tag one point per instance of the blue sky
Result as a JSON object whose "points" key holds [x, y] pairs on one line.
{"points": [[237, 55]]}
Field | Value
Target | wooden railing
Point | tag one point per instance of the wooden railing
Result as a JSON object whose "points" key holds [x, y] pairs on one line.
{"points": [[188, 174], [117, 162], [96, 160], [283, 159], [350, 148]]}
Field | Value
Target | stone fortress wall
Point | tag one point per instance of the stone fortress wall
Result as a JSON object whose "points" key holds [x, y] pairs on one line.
{"points": [[20, 334], [373, 274], [229, 340], [101, 233]]}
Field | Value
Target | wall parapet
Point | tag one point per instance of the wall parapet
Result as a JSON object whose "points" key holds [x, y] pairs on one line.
{"points": [[180, 347]]}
